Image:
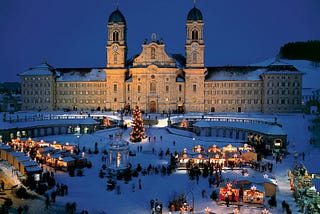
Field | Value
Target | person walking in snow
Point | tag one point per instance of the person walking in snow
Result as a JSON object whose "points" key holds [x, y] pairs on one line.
{"points": [[140, 183]]}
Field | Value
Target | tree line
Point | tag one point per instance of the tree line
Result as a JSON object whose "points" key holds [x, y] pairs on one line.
{"points": [[309, 50]]}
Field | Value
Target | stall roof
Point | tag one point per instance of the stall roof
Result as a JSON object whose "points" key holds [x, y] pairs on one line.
{"points": [[29, 163], [259, 127], [258, 187], [68, 159], [33, 169], [23, 158], [17, 154]]}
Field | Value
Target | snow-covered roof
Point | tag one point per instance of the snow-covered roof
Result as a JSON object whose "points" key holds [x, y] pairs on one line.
{"points": [[23, 158], [30, 163], [68, 159], [234, 73], [33, 169], [81, 74], [17, 154], [42, 69], [7, 125], [258, 127], [88, 121], [310, 70]]}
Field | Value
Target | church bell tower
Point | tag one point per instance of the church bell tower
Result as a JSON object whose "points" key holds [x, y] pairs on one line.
{"points": [[117, 40], [194, 41]]}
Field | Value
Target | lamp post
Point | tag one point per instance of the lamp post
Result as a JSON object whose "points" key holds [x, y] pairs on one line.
{"points": [[78, 139], [193, 139]]}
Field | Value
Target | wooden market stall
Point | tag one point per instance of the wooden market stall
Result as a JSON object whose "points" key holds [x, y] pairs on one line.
{"points": [[230, 191], [65, 163], [253, 194]]}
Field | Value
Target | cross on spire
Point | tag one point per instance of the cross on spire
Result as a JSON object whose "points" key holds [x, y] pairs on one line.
{"points": [[117, 4], [194, 2]]}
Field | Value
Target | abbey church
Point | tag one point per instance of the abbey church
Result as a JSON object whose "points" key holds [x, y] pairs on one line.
{"points": [[160, 83]]}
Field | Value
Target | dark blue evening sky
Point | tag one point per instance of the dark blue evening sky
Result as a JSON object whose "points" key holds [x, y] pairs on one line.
{"points": [[72, 33]]}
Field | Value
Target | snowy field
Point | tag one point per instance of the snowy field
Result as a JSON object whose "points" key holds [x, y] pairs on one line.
{"points": [[89, 191]]}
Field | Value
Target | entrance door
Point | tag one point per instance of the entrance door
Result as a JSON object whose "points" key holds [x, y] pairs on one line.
{"points": [[239, 109], [153, 107]]}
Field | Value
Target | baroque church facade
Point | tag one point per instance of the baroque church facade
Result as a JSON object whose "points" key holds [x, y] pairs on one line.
{"points": [[158, 82]]}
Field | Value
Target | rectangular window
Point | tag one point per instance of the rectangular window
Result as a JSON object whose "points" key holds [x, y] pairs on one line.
{"points": [[115, 88], [180, 87]]}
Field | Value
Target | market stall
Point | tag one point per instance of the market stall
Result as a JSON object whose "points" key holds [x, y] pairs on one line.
{"points": [[229, 193], [253, 194]]}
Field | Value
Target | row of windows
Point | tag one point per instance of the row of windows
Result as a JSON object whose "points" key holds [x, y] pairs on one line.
{"points": [[83, 92], [283, 92], [153, 88], [46, 84], [232, 92], [46, 92], [100, 84], [285, 101], [87, 101], [36, 78], [37, 100], [282, 77], [233, 84], [233, 101], [283, 84]]}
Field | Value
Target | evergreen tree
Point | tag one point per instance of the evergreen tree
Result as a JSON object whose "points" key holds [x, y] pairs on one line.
{"points": [[137, 132]]}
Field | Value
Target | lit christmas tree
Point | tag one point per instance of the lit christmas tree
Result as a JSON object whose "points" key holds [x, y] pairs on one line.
{"points": [[137, 131]]}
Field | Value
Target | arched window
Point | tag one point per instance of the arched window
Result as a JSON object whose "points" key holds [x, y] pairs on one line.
{"points": [[153, 53], [195, 34], [153, 87], [115, 36], [115, 58]]}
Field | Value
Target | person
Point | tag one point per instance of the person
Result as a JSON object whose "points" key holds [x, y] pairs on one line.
{"points": [[140, 183], [227, 199], [133, 187]]}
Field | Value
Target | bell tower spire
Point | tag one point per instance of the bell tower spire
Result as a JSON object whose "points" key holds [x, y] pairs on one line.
{"points": [[117, 40], [194, 41]]}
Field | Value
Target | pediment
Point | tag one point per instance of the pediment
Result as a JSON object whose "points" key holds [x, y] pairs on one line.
{"points": [[154, 53]]}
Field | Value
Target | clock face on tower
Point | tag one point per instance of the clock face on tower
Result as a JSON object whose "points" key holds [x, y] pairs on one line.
{"points": [[115, 47], [194, 47]]}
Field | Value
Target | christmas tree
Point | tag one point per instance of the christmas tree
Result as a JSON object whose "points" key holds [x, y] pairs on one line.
{"points": [[137, 132]]}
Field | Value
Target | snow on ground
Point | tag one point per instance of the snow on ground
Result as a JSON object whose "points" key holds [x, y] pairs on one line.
{"points": [[89, 191]]}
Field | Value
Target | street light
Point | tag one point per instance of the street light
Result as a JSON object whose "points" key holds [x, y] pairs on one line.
{"points": [[78, 137]]}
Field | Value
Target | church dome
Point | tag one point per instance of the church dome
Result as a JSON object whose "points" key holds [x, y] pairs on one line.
{"points": [[194, 15], [117, 16]]}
